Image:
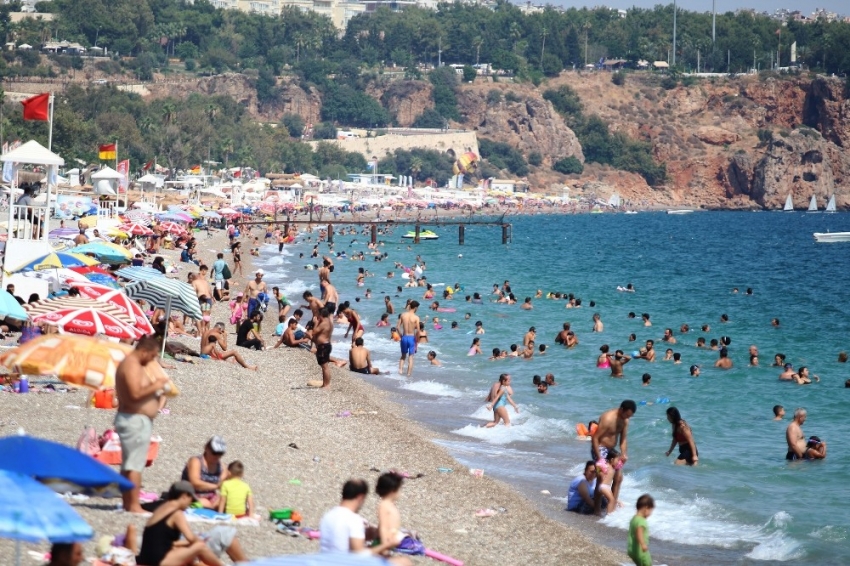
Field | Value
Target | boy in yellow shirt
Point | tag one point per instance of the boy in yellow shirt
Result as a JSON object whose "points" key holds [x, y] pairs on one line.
{"points": [[236, 496]]}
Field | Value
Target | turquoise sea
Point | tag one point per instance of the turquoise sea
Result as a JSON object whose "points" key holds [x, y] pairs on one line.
{"points": [[744, 503]]}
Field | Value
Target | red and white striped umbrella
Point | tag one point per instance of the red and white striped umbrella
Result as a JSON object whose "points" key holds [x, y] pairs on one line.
{"points": [[88, 321], [172, 227], [136, 229], [46, 306], [130, 308], [138, 217]]}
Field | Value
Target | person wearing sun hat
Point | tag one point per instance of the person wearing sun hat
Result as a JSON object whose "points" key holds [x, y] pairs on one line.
{"points": [[205, 473]]}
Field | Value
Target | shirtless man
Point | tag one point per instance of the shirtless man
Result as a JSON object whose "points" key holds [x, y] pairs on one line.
{"points": [[571, 340], [253, 289], [612, 431], [668, 336], [795, 438], [288, 337], [530, 336], [329, 296], [527, 306], [561, 337], [360, 359], [787, 373], [617, 361], [723, 362], [202, 288], [314, 304], [81, 239], [649, 354], [322, 339], [138, 404], [408, 324]]}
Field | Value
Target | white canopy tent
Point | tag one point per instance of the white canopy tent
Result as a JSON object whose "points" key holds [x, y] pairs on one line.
{"points": [[106, 181]]}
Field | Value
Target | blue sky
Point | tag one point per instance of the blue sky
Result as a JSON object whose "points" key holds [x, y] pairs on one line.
{"points": [[805, 6]]}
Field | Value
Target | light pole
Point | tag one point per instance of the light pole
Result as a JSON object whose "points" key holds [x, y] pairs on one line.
{"points": [[586, 29]]}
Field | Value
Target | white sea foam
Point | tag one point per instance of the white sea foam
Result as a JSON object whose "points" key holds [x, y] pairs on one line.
{"points": [[698, 521], [524, 427], [434, 388]]}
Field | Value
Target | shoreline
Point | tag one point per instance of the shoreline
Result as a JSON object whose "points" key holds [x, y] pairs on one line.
{"points": [[260, 414]]}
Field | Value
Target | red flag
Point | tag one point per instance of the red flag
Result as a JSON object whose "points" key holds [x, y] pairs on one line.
{"points": [[37, 107], [148, 165]]}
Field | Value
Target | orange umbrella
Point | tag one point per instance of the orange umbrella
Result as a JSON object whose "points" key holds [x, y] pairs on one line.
{"points": [[77, 360]]}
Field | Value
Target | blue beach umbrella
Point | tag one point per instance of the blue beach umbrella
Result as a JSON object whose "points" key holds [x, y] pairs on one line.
{"points": [[102, 279], [31, 512], [9, 307], [54, 463], [107, 253]]}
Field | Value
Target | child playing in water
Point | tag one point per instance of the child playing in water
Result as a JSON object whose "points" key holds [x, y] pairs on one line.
{"points": [[475, 349], [638, 545], [432, 357], [236, 496], [606, 469]]}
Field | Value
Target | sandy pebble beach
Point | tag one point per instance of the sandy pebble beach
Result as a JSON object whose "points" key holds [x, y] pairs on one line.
{"points": [[261, 414]]}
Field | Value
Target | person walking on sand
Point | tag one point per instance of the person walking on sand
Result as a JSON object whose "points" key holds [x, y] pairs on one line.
{"points": [[138, 404], [612, 431], [501, 393], [638, 544], [408, 323]]}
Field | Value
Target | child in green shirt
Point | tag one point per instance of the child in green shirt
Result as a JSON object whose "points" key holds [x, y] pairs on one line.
{"points": [[638, 548]]}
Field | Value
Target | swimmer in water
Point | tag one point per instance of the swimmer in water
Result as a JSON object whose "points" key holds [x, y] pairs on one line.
{"points": [[646, 378], [432, 359], [602, 360], [700, 342], [527, 306], [479, 327], [802, 377], [668, 355], [632, 337], [778, 412], [542, 388], [724, 318], [572, 340], [550, 379], [597, 323], [530, 336], [842, 357], [677, 358], [561, 337], [787, 373], [695, 370], [617, 361], [774, 322], [754, 356], [645, 318], [723, 362], [649, 353], [475, 348], [778, 360], [668, 336]]}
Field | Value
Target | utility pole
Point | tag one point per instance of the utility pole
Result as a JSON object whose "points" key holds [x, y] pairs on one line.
{"points": [[713, 22], [440, 51], [674, 32], [697, 61], [543, 48], [779, 46], [586, 28]]}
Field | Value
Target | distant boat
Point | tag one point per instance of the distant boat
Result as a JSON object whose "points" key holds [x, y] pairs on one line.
{"points": [[614, 201], [631, 212], [830, 206], [813, 205], [789, 204], [423, 235], [680, 211], [829, 237]]}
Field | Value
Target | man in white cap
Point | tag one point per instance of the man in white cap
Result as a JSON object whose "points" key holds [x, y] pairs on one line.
{"points": [[253, 289]]}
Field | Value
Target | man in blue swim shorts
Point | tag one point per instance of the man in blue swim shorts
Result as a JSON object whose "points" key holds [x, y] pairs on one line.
{"points": [[408, 325]]}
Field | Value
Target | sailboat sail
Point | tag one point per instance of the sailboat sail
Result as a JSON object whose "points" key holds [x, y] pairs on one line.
{"points": [[813, 204], [789, 204], [830, 207], [614, 200]]}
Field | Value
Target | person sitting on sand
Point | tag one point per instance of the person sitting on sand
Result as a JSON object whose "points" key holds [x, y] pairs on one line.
{"points": [[360, 359], [247, 336], [214, 350], [161, 540], [236, 496], [388, 488], [288, 337], [205, 472], [66, 554]]}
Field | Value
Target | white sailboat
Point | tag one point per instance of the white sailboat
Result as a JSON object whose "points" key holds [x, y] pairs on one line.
{"points": [[830, 206], [813, 204], [789, 204], [614, 201]]}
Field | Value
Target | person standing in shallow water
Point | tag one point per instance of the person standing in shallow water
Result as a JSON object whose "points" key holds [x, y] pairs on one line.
{"points": [[611, 433], [682, 437]]}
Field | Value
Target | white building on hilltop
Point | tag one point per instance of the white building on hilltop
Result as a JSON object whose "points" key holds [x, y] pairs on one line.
{"points": [[339, 11]]}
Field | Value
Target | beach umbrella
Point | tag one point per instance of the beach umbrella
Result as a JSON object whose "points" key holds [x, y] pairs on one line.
{"points": [[85, 270], [47, 306], [9, 307], [77, 360], [53, 464], [166, 294], [100, 279], [88, 221], [63, 233], [106, 252], [138, 216], [172, 227], [55, 260], [211, 214], [135, 229], [89, 322], [120, 301], [31, 512], [138, 273]]}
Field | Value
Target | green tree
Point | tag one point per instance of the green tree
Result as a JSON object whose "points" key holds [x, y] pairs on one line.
{"points": [[568, 166], [469, 73], [294, 124], [430, 118]]}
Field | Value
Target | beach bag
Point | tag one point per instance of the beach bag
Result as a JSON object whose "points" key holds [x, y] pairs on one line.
{"points": [[225, 272], [410, 546]]}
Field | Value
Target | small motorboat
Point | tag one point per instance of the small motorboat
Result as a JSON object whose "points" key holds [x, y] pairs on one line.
{"points": [[680, 211], [423, 235], [828, 237]]}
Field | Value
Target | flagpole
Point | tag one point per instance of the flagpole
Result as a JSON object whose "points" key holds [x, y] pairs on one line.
{"points": [[116, 155], [50, 134]]}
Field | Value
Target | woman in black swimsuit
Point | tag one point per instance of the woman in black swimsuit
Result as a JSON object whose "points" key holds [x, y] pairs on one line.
{"points": [[165, 527], [237, 258]]}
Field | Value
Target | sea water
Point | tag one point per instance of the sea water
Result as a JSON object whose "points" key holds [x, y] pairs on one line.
{"points": [[743, 500]]}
